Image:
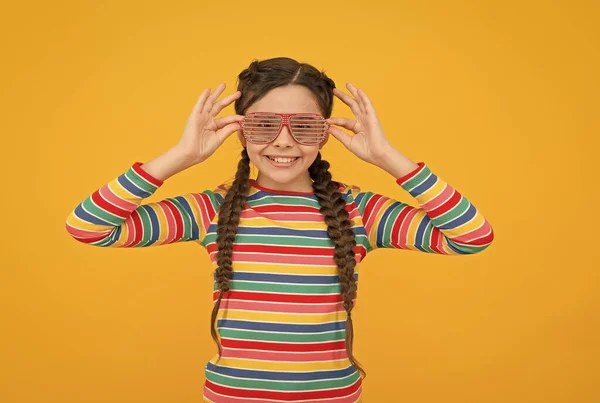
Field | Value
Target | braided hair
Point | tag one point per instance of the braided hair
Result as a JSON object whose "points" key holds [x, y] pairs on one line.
{"points": [[254, 82]]}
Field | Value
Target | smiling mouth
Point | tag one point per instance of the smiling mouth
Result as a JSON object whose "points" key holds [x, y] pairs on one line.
{"points": [[282, 160]]}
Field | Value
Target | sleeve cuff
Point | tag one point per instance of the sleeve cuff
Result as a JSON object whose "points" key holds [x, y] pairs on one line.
{"points": [[403, 179], [137, 168]]}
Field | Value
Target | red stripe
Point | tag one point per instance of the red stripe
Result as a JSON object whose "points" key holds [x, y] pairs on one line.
{"points": [[178, 219], [282, 250], [278, 208], [447, 206], [137, 168], [296, 347], [402, 179], [111, 208], [263, 296], [395, 238], [369, 208], [137, 224], [287, 396]]}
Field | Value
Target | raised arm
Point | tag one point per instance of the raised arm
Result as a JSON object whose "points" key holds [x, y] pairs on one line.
{"points": [[114, 214], [445, 222]]}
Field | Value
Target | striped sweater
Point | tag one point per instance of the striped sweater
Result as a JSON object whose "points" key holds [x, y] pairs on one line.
{"points": [[282, 324]]}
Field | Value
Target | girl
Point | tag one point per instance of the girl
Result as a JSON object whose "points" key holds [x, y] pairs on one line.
{"points": [[285, 246]]}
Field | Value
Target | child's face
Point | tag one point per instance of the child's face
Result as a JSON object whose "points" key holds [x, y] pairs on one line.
{"points": [[287, 99]]}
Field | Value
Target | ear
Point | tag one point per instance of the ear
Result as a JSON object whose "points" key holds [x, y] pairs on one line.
{"points": [[241, 137]]}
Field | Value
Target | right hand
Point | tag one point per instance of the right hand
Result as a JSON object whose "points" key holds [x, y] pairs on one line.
{"points": [[203, 134]]}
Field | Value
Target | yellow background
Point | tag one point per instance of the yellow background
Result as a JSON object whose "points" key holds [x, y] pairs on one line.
{"points": [[499, 98]]}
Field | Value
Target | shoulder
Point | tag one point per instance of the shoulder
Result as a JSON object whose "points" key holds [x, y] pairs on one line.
{"points": [[348, 190]]}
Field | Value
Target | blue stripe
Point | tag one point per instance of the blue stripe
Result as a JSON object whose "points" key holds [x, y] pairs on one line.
{"points": [[281, 376], [262, 194], [421, 229], [382, 222], [85, 216], [115, 235], [284, 278], [458, 221], [127, 184], [154, 225], [190, 214], [281, 327], [423, 187]]}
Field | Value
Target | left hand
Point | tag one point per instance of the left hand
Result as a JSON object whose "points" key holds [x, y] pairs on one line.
{"points": [[368, 142]]}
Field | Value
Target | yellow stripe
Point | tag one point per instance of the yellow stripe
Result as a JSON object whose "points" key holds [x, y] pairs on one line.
{"points": [[263, 222], [283, 269], [282, 317], [281, 366]]}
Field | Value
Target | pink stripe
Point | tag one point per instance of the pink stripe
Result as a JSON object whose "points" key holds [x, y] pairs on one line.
{"points": [[216, 398], [242, 257], [439, 200], [291, 216], [406, 223], [374, 211], [203, 206], [480, 232], [284, 356], [170, 223], [130, 232], [110, 196], [297, 259], [84, 234], [286, 308]]}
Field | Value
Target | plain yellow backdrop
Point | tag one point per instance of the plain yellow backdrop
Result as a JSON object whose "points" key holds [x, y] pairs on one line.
{"points": [[499, 98]]}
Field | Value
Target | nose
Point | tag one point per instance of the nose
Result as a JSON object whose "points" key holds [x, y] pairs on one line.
{"points": [[284, 139]]}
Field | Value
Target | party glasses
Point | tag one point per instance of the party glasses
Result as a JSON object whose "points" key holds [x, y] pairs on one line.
{"points": [[263, 127]]}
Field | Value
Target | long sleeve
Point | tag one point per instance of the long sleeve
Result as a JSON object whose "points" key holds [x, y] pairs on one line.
{"points": [[444, 223], [114, 216]]}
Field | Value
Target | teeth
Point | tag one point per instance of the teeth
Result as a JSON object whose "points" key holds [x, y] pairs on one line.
{"points": [[282, 160]]}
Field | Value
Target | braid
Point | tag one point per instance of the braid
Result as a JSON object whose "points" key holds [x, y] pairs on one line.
{"points": [[229, 218], [340, 232]]}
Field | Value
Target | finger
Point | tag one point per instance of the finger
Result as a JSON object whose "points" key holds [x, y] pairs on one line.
{"points": [[369, 108], [218, 106], [213, 97], [349, 124], [200, 102], [348, 100], [222, 122], [226, 131], [341, 136], [354, 91]]}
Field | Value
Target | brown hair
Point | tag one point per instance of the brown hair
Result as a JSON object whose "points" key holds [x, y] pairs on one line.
{"points": [[254, 82]]}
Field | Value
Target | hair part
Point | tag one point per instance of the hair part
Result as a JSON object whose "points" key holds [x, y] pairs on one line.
{"points": [[255, 82]]}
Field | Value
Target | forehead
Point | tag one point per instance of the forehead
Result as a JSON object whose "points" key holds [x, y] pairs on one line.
{"points": [[286, 99]]}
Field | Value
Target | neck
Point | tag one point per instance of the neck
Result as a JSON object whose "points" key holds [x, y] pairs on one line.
{"points": [[301, 183]]}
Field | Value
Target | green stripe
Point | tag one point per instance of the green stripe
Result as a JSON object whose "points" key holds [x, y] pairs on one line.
{"points": [[89, 205], [417, 179], [427, 238], [456, 211], [286, 200], [139, 181], [389, 224], [282, 288], [213, 199], [187, 221], [146, 226], [283, 337], [283, 386], [284, 241]]}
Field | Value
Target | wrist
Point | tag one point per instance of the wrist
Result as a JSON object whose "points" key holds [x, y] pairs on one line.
{"points": [[395, 163]]}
